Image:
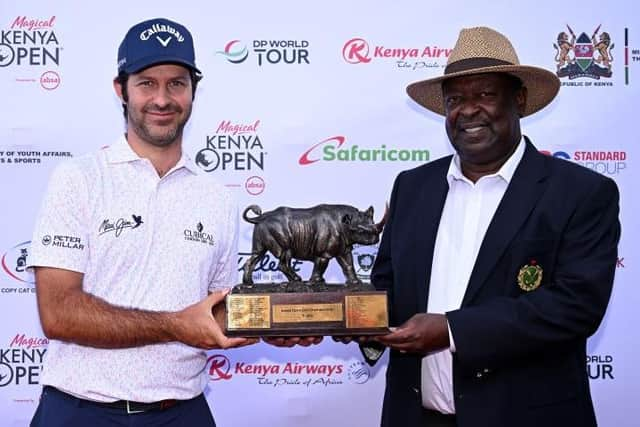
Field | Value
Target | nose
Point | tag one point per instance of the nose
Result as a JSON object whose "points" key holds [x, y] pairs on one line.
{"points": [[162, 97], [468, 107]]}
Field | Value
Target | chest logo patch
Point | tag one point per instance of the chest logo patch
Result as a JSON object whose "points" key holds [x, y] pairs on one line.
{"points": [[530, 276]]}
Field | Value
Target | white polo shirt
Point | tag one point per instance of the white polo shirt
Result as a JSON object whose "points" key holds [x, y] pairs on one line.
{"points": [[143, 242]]}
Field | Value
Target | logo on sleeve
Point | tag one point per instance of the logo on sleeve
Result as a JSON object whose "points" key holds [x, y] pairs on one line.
{"points": [[119, 225], [198, 235], [60, 241]]}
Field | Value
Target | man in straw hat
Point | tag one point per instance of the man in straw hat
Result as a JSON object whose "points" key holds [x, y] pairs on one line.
{"points": [[499, 261]]}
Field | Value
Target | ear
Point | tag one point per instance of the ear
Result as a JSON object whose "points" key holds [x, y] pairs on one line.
{"points": [[369, 212], [118, 88], [346, 219]]}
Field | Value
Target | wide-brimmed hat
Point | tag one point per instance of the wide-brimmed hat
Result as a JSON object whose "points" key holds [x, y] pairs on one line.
{"points": [[482, 50]]}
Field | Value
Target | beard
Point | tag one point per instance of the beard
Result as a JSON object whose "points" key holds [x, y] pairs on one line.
{"points": [[159, 136]]}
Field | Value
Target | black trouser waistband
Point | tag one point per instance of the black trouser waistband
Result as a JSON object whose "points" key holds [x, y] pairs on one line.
{"points": [[124, 405]]}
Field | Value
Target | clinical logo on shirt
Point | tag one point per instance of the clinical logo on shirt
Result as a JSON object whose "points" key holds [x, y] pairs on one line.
{"points": [[118, 226], [198, 235], [530, 276]]}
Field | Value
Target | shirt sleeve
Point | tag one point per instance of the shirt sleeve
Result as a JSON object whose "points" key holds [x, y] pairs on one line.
{"points": [[224, 272], [60, 236]]}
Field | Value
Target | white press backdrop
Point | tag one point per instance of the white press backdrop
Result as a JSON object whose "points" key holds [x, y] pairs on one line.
{"points": [[322, 84]]}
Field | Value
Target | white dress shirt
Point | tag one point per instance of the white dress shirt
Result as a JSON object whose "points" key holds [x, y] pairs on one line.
{"points": [[467, 212]]}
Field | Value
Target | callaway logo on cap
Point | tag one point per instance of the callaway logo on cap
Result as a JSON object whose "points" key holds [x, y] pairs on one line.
{"points": [[153, 42]]}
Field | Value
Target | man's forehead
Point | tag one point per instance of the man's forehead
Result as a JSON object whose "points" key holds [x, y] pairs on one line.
{"points": [[168, 70], [479, 78]]}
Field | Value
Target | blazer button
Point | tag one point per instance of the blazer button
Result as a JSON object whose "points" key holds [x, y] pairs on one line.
{"points": [[486, 370], [415, 390], [478, 374]]}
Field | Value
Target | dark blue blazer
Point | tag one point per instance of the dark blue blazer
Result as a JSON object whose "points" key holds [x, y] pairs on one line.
{"points": [[520, 355]]}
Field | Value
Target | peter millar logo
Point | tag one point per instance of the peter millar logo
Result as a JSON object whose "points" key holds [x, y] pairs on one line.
{"points": [[584, 56], [358, 51], [14, 263], [235, 52], [268, 52], [329, 150], [198, 235]]}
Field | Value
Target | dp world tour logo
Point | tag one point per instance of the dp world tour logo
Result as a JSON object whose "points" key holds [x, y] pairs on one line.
{"points": [[235, 52], [584, 56]]}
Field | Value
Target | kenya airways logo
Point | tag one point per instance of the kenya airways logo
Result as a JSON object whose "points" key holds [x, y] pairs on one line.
{"points": [[219, 367], [356, 51]]}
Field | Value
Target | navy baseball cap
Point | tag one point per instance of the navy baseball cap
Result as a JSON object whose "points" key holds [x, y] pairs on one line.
{"points": [[153, 42]]}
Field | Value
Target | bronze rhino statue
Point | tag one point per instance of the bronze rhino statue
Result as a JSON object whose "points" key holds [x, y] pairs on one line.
{"points": [[314, 234]]}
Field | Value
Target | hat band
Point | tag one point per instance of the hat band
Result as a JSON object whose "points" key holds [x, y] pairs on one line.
{"points": [[473, 63]]}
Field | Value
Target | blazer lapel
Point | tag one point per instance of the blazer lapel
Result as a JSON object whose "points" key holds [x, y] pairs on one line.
{"points": [[432, 198], [525, 188]]}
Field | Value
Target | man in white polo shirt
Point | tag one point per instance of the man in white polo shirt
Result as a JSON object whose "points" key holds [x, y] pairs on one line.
{"points": [[132, 251]]}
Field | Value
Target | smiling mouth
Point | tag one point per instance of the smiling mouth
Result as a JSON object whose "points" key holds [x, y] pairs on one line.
{"points": [[473, 129]]}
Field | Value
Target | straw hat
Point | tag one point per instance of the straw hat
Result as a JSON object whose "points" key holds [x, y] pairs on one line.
{"points": [[482, 50]]}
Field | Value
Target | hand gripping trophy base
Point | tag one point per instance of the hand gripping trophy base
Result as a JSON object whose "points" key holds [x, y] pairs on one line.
{"points": [[302, 308]]}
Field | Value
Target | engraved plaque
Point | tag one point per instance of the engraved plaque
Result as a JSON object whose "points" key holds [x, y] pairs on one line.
{"points": [[287, 313], [366, 311], [248, 312], [337, 310]]}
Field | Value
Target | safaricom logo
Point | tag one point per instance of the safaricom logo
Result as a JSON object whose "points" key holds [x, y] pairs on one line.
{"points": [[330, 150]]}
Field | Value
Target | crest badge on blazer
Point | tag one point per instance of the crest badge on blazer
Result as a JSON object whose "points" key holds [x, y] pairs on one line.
{"points": [[530, 276]]}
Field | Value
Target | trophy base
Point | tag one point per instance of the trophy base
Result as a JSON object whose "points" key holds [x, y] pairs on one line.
{"points": [[301, 309]]}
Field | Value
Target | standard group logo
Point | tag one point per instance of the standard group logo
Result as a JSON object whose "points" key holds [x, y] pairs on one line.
{"points": [[14, 264], [21, 361], [235, 148], [267, 52], [332, 150], [358, 51], [604, 162], [584, 56], [28, 42]]}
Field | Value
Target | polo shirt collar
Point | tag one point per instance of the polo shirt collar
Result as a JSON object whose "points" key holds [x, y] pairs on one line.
{"points": [[505, 172], [121, 152]]}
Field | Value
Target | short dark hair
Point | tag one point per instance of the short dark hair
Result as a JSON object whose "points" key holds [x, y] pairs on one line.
{"points": [[122, 78]]}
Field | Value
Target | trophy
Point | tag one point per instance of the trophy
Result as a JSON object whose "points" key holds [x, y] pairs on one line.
{"points": [[313, 307]]}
